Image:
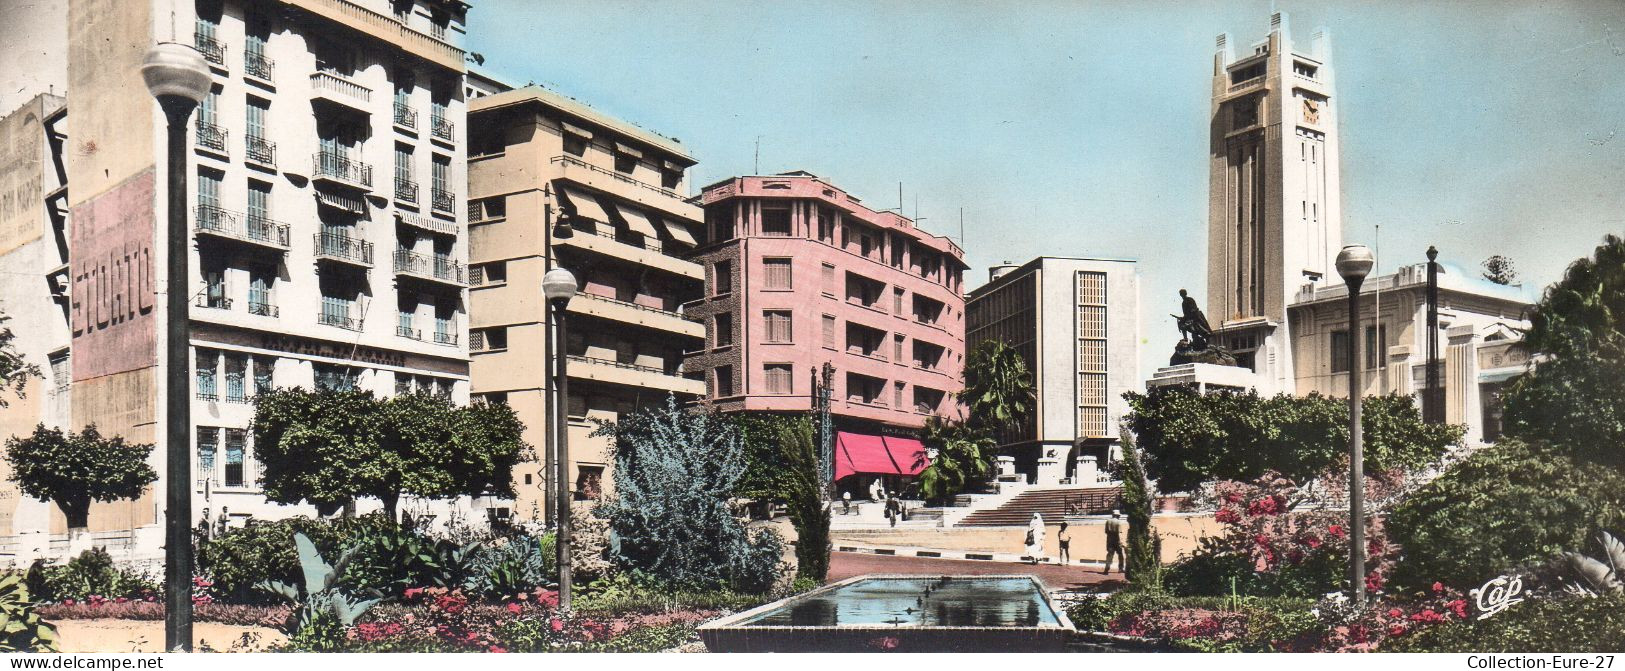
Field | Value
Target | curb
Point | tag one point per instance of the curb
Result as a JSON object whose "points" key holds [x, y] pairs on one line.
{"points": [[972, 555]]}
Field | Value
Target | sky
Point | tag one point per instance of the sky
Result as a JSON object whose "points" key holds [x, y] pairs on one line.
{"points": [[1081, 128]]}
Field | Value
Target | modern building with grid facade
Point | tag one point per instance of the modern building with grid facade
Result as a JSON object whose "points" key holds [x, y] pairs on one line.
{"points": [[325, 196], [1075, 321]]}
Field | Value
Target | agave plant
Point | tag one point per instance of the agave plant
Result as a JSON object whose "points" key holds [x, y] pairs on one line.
{"points": [[1598, 576], [323, 594]]}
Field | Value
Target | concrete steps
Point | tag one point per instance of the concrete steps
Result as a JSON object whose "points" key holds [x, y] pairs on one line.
{"points": [[1051, 503]]}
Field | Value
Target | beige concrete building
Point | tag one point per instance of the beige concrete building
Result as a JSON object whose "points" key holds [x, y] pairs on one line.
{"points": [[310, 265], [621, 191], [1274, 231]]}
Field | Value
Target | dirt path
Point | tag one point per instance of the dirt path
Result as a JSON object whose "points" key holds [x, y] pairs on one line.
{"points": [[109, 635]]}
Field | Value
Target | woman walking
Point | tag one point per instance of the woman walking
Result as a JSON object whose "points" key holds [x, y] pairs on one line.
{"points": [[1035, 538]]}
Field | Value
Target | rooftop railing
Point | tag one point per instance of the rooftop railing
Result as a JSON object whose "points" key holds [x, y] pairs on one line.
{"points": [[566, 159]]}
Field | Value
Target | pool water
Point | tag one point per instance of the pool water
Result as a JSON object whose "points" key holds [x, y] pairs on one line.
{"points": [[918, 602]]}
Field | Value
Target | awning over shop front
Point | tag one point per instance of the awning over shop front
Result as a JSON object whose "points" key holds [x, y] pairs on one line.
{"points": [[863, 454], [585, 204]]}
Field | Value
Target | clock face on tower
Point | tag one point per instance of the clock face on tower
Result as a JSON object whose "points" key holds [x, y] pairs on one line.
{"points": [[1311, 112]]}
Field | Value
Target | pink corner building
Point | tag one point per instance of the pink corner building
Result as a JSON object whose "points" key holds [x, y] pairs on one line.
{"points": [[799, 273]]}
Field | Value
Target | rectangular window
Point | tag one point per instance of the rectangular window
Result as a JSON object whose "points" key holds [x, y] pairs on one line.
{"points": [[1376, 346], [1340, 351], [897, 395], [208, 443], [214, 289], [259, 213], [260, 282], [264, 368], [208, 108], [236, 456], [829, 280], [780, 378], [236, 378], [722, 274], [208, 366], [725, 381], [208, 190], [724, 329], [442, 174], [776, 221], [826, 226], [496, 338], [403, 172], [403, 384], [829, 331], [777, 323], [257, 110], [777, 273], [330, 377], [443, 325], [61, 373], [897, 301], [897, 347]]}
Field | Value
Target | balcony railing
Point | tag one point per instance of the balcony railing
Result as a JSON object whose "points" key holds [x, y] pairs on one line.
{"points": [[442, 200], [331, 83], [442, 128], [343, 248], [405, 117], [258, 66], [341, 167], [210, 136], [639, 306], [252, 228], [424, 265], [262, 309], [409, 332], [571, 160], [620, 364], [445, 338], [214, 302], [260, 150], [212, 49], [406, 190], [342, 321]]}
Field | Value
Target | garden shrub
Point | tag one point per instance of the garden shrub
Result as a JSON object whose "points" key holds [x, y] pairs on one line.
{"points": [[393, 558], [589, 543], [241, 558], [520, 565], [91, 574], [24, 631], [1510, 505], [1536, 625]]}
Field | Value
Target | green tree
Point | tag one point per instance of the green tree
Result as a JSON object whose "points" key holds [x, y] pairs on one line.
{"points": [[675, 471], [999, 390], [14, 369], [1575, 396], [804, 494], [1142, 563], [1510, 505], [331, 447], [73, 469], [964, 458], [1499, 269], [1188, 438]]}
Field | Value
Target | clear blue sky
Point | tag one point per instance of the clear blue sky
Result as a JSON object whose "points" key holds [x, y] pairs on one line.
{"points": [[1080, 128]]}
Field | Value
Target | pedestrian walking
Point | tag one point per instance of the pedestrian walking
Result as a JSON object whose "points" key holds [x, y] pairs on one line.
{"points": [[891, 509], [1035, 538], [1114, 543], [1065, 542], [846, 503]]}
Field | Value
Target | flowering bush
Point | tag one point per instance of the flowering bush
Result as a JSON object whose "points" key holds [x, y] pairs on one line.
{"points": [[126, 609], [1269, 549]]}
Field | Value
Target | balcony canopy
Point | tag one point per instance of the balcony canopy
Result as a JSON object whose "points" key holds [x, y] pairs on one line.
{"points": [[585, 204], [637, 220], [863, 454]]}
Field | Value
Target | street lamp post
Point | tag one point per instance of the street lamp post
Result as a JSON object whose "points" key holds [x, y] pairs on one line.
{"points": [[178, 77], [1353, 263], [558, 286]]}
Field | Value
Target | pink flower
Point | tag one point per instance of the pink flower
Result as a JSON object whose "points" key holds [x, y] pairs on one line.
{"points": [[412, 592], [515, 608], [1336, 530], [1374, 581], [557, 625], [496, 648], [884, 643], [1438, 587], [1458, 607], [1226, 516], [1395, 612]]}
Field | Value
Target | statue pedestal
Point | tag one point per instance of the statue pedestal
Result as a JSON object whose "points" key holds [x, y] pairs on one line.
{"points": [[1085, 471], [1050, 472], [1205, 377]]}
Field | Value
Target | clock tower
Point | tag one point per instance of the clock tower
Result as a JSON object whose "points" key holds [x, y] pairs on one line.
{"points": [[1274, 217]]}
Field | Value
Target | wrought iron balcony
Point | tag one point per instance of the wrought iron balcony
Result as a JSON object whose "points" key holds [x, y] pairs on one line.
{"points": [[260, 150], [405, 117], [406, 190], [445, 338], [429, 267], [262, 309], [343, 321], [258, 66], [409, 332], [442, 200], [342, 169], [212, 49], [442, 128], [254, 229], [214, 302], [340, 247], [210, 136]]}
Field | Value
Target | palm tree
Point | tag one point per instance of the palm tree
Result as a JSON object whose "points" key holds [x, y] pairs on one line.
{"points": [[964, 456], [999, 389]]}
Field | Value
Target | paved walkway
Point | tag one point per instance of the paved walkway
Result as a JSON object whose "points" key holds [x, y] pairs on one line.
{"points": [[843, 565]]}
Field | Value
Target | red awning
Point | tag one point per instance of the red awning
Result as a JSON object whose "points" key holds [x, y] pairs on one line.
{"points": [[857, 453]]}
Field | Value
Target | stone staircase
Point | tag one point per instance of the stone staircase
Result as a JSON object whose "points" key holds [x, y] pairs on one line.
{"points": [[1052, 503]]}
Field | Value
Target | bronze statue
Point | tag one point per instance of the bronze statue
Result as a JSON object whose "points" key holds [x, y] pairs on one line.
{"points": [[1193, 327]]}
